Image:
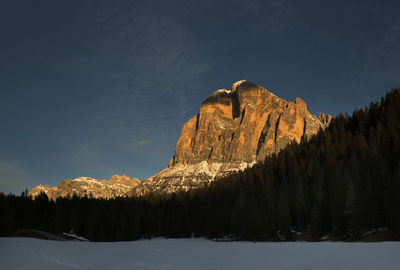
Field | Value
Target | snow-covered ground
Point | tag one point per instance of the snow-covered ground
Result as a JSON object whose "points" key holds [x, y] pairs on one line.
{"points": [[26, 253]]}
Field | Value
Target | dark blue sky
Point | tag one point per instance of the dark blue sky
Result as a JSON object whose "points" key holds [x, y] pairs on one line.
{"points": [[96, 88]]}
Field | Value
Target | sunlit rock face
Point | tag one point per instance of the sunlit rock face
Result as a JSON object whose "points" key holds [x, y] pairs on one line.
{"points": [[234, 129], [117, 186]]}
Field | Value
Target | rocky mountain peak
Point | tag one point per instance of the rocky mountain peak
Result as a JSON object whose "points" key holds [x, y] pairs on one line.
{"points": [[236, 84], [84, 178], [233, 129], [123, 180], [118, 185], [301, 104]]}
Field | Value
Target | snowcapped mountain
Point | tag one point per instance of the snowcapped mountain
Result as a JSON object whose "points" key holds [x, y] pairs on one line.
{"points": [[118, 185]]}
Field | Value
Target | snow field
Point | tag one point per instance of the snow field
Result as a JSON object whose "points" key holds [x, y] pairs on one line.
{"points": [[27, 253]]}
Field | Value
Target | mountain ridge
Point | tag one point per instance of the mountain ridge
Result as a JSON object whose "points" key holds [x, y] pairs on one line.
{"points": [[116, 186], [233, 130]]}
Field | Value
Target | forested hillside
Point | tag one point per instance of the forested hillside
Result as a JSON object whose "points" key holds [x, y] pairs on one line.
{"points": [[343, 182]]}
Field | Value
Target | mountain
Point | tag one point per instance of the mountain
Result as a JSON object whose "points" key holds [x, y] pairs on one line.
{"points": [[117, 186], [233, 130]]}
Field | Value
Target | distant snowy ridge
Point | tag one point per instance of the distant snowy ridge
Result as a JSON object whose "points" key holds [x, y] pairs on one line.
{"points": [[117, 186]]}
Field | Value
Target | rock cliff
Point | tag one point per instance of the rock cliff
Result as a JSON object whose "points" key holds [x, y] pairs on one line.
{"points": [[81, 186], [234, 129]]}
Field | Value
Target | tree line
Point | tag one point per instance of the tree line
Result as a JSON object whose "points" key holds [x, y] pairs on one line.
{"points": [[342, 182]]}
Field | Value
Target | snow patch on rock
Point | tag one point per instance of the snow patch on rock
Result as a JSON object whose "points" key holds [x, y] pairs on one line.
{"points": [[236, 84]]}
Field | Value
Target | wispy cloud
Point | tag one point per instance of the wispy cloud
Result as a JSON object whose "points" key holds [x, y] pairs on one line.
{"points": [[146, 38], [141, 143], [379, 66], [85, 154], [268, 17], [13, 178], [140, 49]]}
